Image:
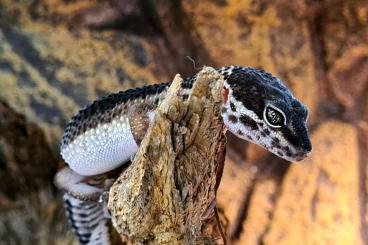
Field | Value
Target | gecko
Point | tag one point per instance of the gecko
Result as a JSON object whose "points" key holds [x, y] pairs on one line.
{"points": [[106, 134]]}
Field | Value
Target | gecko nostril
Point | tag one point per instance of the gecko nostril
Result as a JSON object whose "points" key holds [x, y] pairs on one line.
{"points": [[307, 146]]}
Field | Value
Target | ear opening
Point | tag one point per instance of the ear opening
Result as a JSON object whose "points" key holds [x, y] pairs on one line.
{"points": [[226, 95]]}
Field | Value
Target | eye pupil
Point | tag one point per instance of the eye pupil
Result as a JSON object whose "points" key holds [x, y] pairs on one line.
{"points": [[274, 117]]}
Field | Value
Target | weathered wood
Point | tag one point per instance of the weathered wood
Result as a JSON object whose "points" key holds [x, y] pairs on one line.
{"points": [[163, 196]]}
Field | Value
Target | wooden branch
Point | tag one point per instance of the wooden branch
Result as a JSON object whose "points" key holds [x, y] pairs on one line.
{"points": [[170, 186]]}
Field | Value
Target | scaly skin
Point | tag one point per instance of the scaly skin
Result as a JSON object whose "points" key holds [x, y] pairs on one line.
{"points": [[106, 134]]}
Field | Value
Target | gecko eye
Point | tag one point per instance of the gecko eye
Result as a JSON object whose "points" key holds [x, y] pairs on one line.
{"points": [[274, 117]]}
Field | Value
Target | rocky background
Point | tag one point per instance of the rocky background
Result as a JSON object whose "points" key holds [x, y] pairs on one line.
{"points": [[57, 55]]}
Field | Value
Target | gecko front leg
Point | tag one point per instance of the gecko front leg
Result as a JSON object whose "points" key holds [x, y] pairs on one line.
{"points": [[78, 187]]}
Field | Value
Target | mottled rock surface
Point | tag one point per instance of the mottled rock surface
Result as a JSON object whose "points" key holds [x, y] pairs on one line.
{"points": [[55, 56], [28, 211]]}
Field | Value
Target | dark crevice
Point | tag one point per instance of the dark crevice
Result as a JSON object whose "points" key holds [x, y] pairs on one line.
{"points": [[179, 38], [128, 16], [328, 103], [236, 148], [313, 209], [279, 168], [150, 13], [242, 213], [361, 110], [269, 168]]}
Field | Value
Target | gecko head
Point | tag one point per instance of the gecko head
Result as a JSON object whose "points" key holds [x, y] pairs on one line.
{"points": [[260, 109]]}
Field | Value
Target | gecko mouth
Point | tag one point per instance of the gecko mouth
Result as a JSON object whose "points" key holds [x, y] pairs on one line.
{"points": [[296, 155], [287, 152], [263, 138], [299, 156], [303, 151]]}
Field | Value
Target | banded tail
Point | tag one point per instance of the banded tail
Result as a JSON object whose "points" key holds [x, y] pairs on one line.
{"points": [[88, 220]]}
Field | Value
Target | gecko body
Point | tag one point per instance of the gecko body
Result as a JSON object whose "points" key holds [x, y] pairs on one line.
{"points": [[101, 132], [104, 135]]}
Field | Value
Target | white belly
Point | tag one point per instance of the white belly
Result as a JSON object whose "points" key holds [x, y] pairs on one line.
{"points": [[101, 149]]}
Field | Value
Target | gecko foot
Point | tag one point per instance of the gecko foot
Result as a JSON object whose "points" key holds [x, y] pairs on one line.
{"points": [[72, 183]]}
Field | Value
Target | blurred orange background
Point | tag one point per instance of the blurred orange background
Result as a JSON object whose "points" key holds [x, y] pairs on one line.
{"points": [[56, 56]]}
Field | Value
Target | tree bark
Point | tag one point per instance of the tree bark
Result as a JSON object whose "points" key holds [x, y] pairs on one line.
{"points": [[166, 195]]}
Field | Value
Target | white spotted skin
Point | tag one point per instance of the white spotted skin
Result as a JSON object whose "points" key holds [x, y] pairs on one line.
{"points": [[101, 149]]}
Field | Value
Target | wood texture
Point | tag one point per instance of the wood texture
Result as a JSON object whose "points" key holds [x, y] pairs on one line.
{"points": [[163, 196]]}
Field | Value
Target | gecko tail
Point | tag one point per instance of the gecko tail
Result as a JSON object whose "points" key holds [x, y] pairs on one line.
{"points": [[100, 235], [88, 220]]}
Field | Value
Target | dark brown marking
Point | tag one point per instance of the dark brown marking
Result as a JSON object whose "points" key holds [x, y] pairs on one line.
{"points": [[286, 148], [275, 145], [247, 121], [232, 106], [240, 132], [233, 118], [224, 110]]}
